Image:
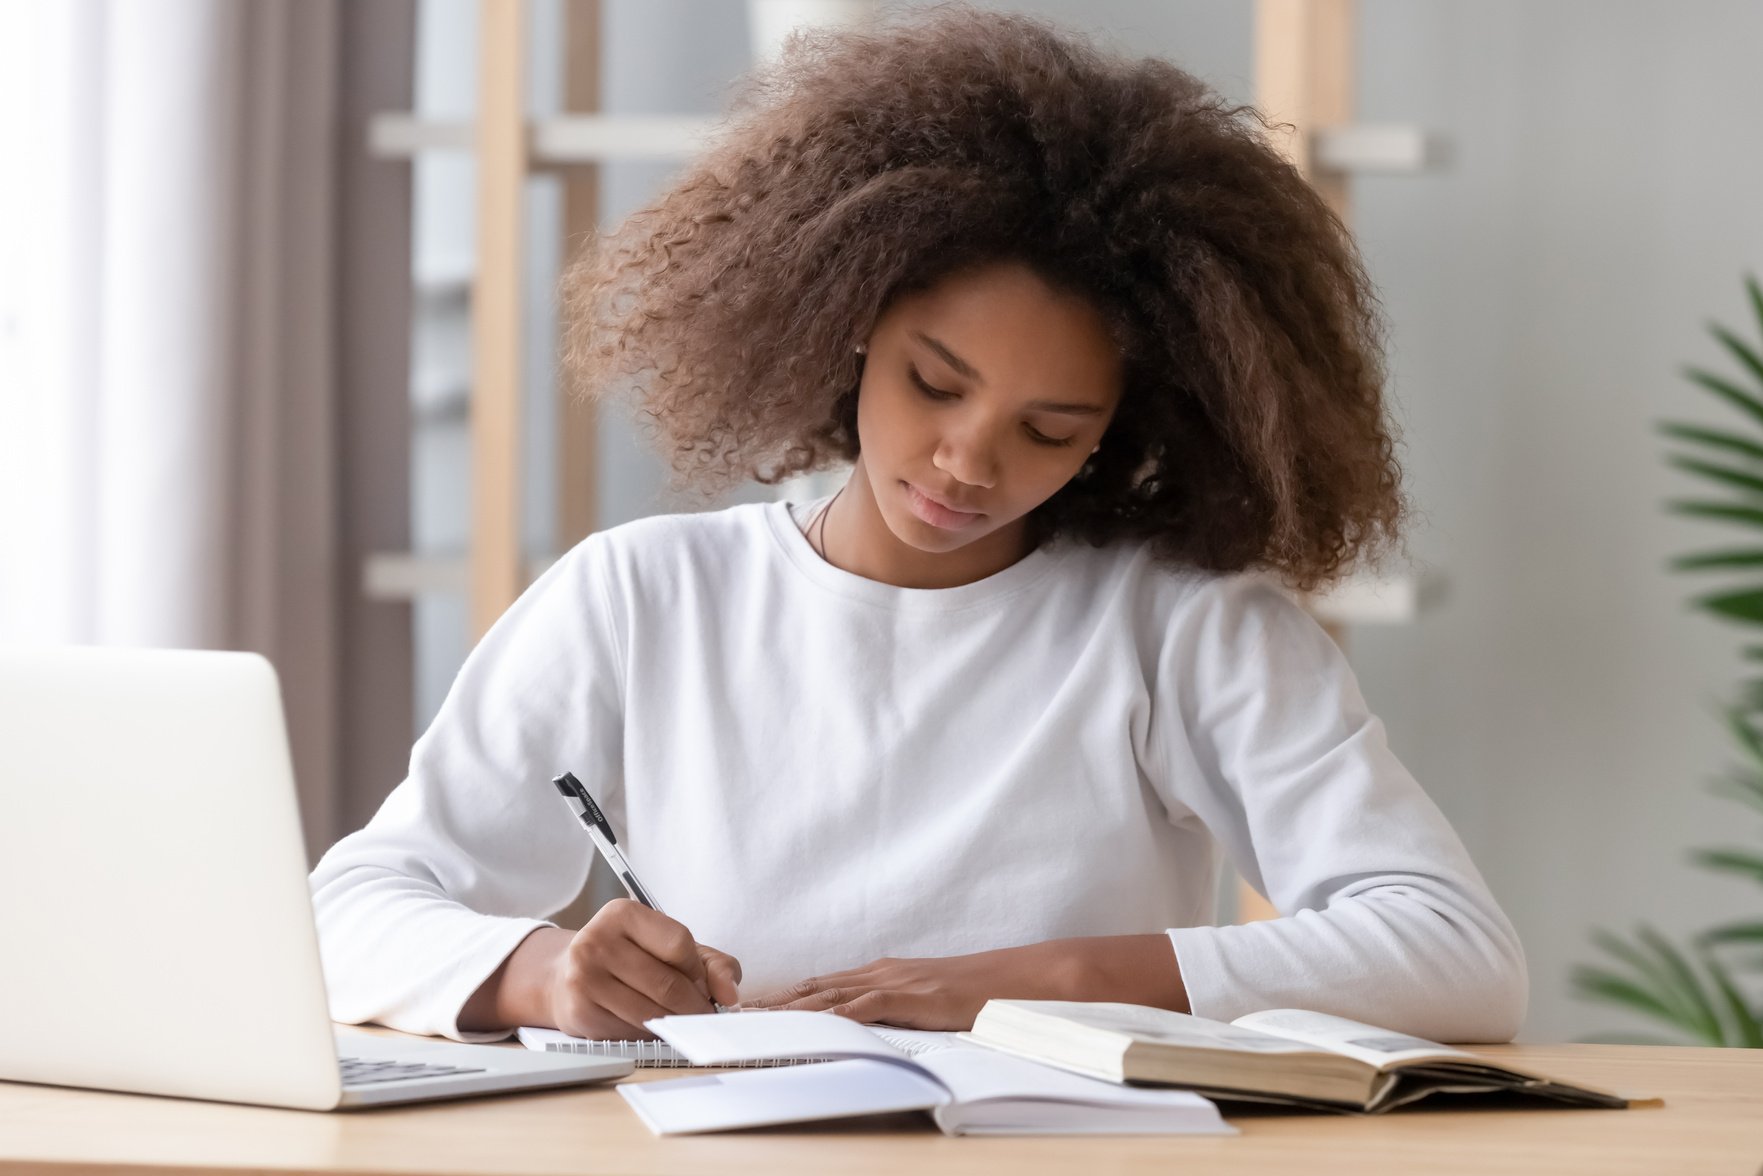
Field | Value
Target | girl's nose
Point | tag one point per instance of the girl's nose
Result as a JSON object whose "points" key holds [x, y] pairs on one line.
{"points": [[970, 461]]}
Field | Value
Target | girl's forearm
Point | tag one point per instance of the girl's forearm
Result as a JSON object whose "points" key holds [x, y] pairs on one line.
{"points": [[518, 992], [1129, 969]]}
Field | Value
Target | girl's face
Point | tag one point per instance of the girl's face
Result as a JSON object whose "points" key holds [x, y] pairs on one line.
{"points": [[980, 398]]}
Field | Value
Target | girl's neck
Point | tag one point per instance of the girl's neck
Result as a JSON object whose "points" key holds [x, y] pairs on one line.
{"points": [[854, 536]]}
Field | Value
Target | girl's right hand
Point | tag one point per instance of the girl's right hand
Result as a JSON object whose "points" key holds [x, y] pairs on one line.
{"points": [[631, 963]]}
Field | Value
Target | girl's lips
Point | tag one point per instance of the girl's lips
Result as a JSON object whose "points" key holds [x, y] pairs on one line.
{"points": [[935, 513]]}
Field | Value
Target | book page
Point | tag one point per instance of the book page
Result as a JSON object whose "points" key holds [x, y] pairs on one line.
{"points": [[714, 1039], [1166, 1027], [1354, 1039], [793, 1094], [974, 1075]]}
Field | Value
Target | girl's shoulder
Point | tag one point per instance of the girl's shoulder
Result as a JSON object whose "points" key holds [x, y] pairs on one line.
{"points": [[1128, 569], [694, 534], [1182, 600]]}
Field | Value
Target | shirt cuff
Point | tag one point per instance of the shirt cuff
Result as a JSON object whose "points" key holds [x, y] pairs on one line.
{"points": [[1202, 966], [478, 960]]}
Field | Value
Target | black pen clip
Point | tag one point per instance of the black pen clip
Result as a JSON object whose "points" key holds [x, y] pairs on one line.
{"points": [[569, 786]]}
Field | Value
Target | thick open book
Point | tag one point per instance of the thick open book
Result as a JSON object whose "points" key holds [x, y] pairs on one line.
{"points": [[1288, 1056], [967, 1090]]}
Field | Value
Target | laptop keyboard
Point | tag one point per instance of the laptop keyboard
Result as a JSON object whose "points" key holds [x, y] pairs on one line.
{"points": [[362, 1071]]}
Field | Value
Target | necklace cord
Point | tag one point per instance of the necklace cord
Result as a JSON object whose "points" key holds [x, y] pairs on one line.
{"points": [[821, 519]]}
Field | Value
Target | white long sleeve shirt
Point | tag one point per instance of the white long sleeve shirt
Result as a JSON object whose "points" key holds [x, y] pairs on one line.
{"points": [[812, 770]]}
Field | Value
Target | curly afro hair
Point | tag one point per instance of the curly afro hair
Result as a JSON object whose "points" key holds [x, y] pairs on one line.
{"points": [[870, 162]]}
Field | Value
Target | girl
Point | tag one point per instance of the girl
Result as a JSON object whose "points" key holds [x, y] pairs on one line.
{"points": [[976, 724]]}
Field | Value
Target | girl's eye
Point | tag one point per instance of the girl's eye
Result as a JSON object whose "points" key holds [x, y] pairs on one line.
{"points": [[933, 393], [1035, 435]]}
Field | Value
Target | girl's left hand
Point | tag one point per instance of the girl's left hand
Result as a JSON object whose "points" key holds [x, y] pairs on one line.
{"points": [[945, 993], [948, 992]]}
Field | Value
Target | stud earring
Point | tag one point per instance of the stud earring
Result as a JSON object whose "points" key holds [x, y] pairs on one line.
{"points": [[862, 349]]}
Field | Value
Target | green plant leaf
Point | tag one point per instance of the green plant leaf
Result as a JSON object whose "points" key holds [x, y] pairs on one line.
{"points": [[1733, 933], [1748, 736], [1736, 785], [1742, 399], [1658, 980], [1746, 1029], [1745, 605], [1739, 348], [1716, 438], [1724, 475], [1731, 512], [1745, 557], [1756, 293], [1689, 987], [1597, 984], [1734, 860]]}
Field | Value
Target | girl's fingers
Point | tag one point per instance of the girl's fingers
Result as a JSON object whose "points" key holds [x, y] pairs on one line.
{"points": [[855, 978], [724, 973], [874, 1006], [729, 963], [724, 988], [627, 1004], [668, 941], [669, 988], [824, 999], [783, 998]]}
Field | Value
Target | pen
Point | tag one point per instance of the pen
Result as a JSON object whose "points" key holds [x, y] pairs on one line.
{"points": [[594, 821]]}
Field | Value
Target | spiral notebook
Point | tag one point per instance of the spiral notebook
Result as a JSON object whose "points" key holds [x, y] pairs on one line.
{"points": [[661, 1054]]}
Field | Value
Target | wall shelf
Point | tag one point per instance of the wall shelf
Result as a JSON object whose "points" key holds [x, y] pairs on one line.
{"points": [[403, 576], [563, 141], [1374, 148]]}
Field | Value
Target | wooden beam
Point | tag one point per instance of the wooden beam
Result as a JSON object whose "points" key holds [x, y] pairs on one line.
{"points": [[496, 313], [578, 425], [1304, 77]]}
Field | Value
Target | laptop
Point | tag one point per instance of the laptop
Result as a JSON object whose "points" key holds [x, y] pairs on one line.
{"points": [[155, 918]]}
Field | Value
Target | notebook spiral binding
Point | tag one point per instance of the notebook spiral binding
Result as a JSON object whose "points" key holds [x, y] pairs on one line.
{"points": [[659, 1054]]}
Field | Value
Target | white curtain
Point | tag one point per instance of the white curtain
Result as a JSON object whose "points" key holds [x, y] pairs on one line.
{"points": [[166, 371]]}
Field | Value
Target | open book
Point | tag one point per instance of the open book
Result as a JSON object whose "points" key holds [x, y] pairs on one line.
{"points": [[967, 1090], [1278, 1055]]}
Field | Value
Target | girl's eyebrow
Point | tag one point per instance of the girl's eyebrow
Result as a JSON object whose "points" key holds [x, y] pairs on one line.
{"points": [[970, 372]]}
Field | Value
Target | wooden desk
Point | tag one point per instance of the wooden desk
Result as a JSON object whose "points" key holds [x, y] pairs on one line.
{"points": [[1712, 1123]]}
